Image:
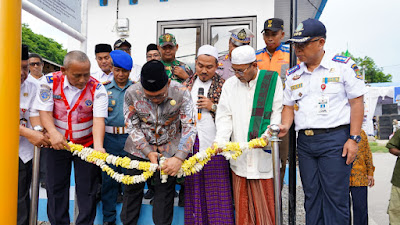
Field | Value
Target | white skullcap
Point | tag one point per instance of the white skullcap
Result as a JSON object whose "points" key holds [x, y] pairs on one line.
{"points": [[208, 50], [243, 55]]}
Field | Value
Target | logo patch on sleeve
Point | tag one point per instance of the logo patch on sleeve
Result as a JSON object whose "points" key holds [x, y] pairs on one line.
{"points": [[293, 69], [49, 79], [341, 59]]}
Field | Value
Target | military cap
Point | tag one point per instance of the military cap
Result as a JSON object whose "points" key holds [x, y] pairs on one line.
{"points": [[24, 52], [121, 59], [273, 24], [167, 39], [241, 36], [307, 30], [102, 48], [121, 41]]}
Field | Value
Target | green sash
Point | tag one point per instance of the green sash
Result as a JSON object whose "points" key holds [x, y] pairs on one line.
{"points": [[262, 103]]}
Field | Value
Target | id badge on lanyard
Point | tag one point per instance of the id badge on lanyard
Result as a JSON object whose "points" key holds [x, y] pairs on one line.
{"points": [[23, 121], [323, 101]]}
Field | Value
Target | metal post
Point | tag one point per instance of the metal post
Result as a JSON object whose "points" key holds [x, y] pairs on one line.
{"points": [[277, 173], [292, 132], [10, 68], [35, 187]]}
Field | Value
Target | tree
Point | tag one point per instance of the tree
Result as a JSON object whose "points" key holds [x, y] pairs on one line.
{"points": [[373, 73], [44, 46]]}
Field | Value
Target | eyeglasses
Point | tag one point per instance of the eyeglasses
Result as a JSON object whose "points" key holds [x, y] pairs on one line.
{"points": [[35, 64], [304, 44], [152, 56], [241, 73]]}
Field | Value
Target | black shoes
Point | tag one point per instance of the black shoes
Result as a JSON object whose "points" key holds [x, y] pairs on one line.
{"points": [[149, 194]]}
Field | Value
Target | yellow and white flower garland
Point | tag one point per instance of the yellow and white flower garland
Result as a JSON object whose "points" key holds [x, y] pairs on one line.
{"points": [[194, 164]]}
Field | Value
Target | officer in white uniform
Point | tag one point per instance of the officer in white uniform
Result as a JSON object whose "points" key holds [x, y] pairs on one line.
{"points": [[324, 96], [104, 61], [73, 84], [27, 139]]}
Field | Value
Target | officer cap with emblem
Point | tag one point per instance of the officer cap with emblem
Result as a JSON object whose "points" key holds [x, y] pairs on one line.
{"points": [[121, 59], [166, 39], [120, 42], [273, 24], [307, 30], [153, 76], [102, 48], [24, 52], [241, 36]]}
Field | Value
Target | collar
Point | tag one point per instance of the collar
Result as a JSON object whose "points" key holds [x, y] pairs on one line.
{"points": [[69, 85], [325, 62], [115, 85], [174, 63]]}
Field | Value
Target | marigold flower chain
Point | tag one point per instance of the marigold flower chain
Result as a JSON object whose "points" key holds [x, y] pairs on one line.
{"points": [[194, 164]]}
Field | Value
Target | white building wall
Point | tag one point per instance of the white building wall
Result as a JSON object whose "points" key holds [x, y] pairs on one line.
{"points": [[143, 19]]}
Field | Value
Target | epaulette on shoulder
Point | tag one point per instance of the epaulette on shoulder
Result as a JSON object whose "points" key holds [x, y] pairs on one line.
{"points": [[292, 70], [106, 82], [49, 78], [259, 51], [285, 48], [341, 59]]}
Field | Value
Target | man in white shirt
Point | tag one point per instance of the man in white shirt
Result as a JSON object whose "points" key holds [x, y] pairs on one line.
{"points": [[103, 58], [27, 139], [324, 97], [249, 102], [72, 107], [214, 207], [36, 64]]}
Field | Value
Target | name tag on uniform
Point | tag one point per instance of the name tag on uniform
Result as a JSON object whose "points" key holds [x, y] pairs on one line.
{"points": [[323, 105]]}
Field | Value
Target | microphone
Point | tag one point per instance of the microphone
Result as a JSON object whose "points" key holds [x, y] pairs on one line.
{"points": [[201, 92]]}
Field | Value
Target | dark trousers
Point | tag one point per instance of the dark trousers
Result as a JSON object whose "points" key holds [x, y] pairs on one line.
{"points": [[359, 198], [42, 167], [163, 203], [24, 183], [114, 144], [325, 177], [58, 184]]}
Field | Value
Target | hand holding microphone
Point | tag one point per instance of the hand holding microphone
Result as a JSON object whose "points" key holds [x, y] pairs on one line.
{"points": [[200, 95], [204, 103]]}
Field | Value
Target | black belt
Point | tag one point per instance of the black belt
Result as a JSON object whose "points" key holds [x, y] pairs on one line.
{"points": [[312, 132]]}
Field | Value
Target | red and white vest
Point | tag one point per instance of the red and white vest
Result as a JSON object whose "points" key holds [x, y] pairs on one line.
{"points": [[75, 123]]}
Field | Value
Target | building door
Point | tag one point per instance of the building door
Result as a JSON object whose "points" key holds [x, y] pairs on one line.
{"points": [[191, 34]]}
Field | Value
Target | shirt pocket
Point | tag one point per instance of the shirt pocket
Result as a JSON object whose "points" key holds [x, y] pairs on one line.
{"points": [[334, 85], [264, 162]]}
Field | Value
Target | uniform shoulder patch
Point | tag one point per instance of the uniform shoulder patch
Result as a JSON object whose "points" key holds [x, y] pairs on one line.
{"points": [[49, 78], [104, 83], [259, 51], [341, 59], [285, 48], [292, 70]]}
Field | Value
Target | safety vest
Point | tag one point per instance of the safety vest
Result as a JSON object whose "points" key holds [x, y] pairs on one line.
{"points": [[74, 123], [279, 61]]}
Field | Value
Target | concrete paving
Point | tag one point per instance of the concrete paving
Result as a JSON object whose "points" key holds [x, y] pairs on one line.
{"points": [[378, 196]]}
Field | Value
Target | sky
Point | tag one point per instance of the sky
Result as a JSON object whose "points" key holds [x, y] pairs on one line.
{"points": [[368, 28], [364, 27]]}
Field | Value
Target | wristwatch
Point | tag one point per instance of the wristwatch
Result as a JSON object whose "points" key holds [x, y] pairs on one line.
{"points": [[38, 128], [214, 108], [356, 138]]}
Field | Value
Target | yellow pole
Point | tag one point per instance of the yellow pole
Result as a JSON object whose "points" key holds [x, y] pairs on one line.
{"points": [[10, 65]]}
